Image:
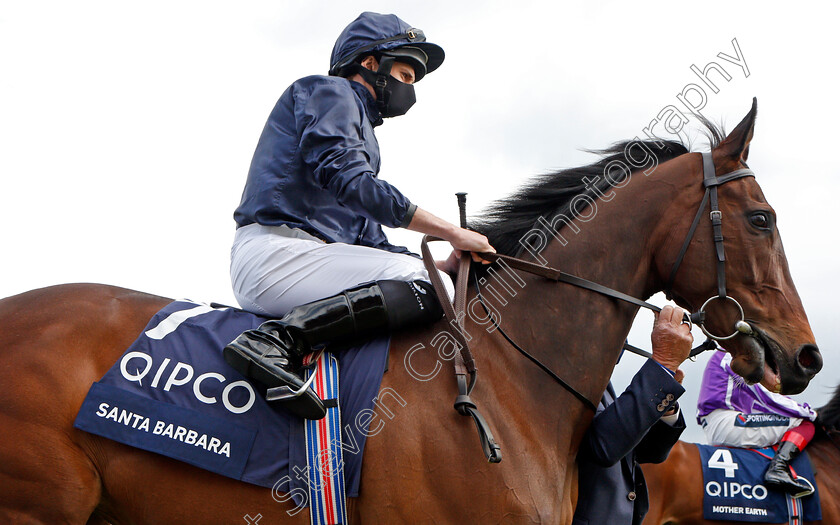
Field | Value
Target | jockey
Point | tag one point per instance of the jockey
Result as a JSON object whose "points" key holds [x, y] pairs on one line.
{"points": [[735, 414], [309, 247]]}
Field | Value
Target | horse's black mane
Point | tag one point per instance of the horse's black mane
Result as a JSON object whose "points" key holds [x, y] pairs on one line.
{"points": [[830, 414], [509, 219]]}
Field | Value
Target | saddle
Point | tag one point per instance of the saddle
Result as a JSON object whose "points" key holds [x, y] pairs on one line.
{"points": [[172, 393]]}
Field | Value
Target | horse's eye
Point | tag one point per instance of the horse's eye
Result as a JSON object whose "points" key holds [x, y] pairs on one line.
{"points": [[761, 220]]}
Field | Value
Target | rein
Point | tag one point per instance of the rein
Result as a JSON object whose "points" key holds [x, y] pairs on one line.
{"points": [[464, 362], [583, 399]]}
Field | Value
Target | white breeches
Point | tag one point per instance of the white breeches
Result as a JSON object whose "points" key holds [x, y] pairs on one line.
{"points": [[732, 429], [273, 273]]}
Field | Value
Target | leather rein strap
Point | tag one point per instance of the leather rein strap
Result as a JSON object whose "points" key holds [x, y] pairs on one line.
{"points": [[563, 277], [463, 360], [583, 399]]}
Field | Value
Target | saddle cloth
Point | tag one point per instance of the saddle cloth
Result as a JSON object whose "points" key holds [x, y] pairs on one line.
{"points": [[733, 489], [172, 393]]}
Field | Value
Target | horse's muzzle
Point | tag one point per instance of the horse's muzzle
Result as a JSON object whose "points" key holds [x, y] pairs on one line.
{"points": [[802, 368]]}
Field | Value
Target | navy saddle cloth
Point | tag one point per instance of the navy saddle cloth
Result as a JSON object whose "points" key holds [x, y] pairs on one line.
{"points": [[172, 393], [733, 487]]}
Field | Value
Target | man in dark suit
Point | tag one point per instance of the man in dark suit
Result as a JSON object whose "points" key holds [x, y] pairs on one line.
{"points": [[639, 426]]}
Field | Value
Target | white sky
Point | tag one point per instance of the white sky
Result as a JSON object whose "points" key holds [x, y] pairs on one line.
{"points": [[127, 128]]}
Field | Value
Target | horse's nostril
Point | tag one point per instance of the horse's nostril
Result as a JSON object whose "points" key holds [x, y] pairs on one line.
{"points": [[810, 359]]}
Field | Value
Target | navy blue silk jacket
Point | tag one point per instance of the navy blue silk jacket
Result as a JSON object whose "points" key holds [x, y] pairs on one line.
{"points": [[316, 164]]}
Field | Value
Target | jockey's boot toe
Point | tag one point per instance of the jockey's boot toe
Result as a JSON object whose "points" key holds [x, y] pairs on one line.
{"points": [[264, 358], [782, 481]]}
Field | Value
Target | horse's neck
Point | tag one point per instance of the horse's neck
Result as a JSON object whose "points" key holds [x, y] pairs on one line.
{"points": [[576, 332]]}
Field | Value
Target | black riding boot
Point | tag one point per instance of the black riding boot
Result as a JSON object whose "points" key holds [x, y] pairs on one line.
{"points": [[271, 355], [778, 475]]}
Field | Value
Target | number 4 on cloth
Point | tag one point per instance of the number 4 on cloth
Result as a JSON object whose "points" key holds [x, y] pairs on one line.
{"points": [[722, 458]]}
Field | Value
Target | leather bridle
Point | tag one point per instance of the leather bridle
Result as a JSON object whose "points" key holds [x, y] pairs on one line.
{"points": [[463, 360], [711, 183]]}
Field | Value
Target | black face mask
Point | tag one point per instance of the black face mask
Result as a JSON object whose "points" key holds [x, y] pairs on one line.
{"points": [[394, 98]]}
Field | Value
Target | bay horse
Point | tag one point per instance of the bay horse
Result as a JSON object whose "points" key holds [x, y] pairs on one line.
{"points": [[675, 486], [620, 222]]}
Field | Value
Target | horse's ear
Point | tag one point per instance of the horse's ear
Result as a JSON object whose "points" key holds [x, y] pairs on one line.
{"points": [[736, 145]]}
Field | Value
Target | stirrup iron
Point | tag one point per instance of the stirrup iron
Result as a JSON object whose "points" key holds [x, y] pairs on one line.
{"points": [[805, 492], [285, 392]]}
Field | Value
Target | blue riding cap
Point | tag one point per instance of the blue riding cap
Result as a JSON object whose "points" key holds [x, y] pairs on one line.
{"points": [[376, 34]]}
